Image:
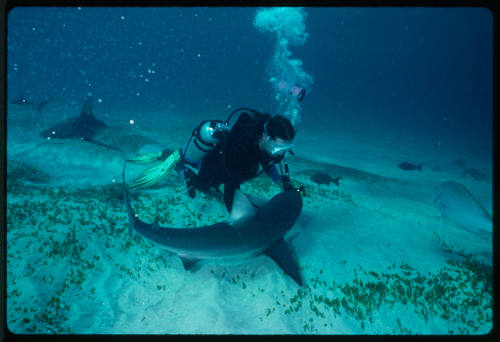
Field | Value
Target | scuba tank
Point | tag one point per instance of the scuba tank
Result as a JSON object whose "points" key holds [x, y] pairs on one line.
{"points": [[204, 139], [206, 136]]}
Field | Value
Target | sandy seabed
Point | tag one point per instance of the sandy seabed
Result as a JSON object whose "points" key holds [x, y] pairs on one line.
{"points": [[374, 252]]}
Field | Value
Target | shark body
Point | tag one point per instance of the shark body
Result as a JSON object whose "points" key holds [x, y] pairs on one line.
{"points": [[84, 127], [260, 232], [458, 205]]}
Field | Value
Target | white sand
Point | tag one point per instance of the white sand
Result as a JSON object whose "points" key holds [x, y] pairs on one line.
{"points": [[380, 219]]}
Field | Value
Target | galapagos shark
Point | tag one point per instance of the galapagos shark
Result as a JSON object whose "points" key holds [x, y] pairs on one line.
{"points": [[84, 127], [249, 234]]}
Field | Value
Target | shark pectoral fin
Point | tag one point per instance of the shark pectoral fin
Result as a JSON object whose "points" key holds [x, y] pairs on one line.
{"points": [[95, 142], [189, 263], [242, 207], [281, 253]]}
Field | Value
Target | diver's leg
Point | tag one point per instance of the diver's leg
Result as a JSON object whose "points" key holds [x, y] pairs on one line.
{"points": [[156, 173]]}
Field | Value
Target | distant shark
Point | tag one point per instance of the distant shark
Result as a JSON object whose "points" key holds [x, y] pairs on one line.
{"points": [[252, 232], [458, 205], [83, 127], [23, 100]]}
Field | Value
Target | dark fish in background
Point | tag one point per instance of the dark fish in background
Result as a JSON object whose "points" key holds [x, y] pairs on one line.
{"points": [[410, 167], [324, 178], [23, 100], [473, 173]]}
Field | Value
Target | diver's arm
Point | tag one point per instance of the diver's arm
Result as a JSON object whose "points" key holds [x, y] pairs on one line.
{"points": [[282, 177], [274, 174], [283, 181], [270, 167]]}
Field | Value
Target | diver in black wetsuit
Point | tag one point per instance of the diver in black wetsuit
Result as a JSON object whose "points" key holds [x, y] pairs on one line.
{"points": [[217, 154], [255, 139]]}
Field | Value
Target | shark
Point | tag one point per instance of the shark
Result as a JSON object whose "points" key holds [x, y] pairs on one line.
{"points": [[83, 127], [458, 205], [23, 100], [250, 232]]}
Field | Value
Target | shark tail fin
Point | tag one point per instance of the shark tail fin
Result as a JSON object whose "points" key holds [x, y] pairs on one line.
{"points": [[42, 104], [87, 109], [419, 167]]}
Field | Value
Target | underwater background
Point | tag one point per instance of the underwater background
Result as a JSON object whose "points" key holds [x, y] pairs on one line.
{"points": [[389, 250]]}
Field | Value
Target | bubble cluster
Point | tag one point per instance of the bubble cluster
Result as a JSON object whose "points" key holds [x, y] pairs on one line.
{"points": [[288, 25]]}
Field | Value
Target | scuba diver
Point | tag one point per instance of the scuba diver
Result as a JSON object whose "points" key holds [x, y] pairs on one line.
{"points": [[217, 154]]}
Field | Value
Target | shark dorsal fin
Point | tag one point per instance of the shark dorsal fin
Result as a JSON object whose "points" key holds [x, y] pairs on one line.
{"points": [[87, 107], [242, 207]]}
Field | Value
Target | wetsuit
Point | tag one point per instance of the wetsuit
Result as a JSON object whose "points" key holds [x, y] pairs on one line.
{"points": [[237, 159]]}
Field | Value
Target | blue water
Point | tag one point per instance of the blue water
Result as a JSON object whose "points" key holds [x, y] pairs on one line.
{"points": [[424, 69], [383, 86]]}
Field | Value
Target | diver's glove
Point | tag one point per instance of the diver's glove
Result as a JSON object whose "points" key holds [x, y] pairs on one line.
{"points": [[287, 186], [301, 190], [156, 173]]}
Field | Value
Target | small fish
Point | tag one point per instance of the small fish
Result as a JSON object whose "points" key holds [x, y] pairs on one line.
{"points": [[410, 167], [324, 178], [23, 100], [459, 163], [473, 173]]}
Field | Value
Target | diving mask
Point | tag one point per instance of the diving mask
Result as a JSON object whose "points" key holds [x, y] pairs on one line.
{"points": [[278, 148]]}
